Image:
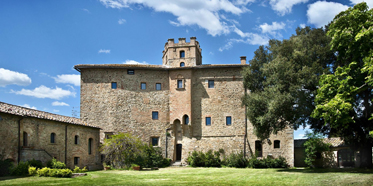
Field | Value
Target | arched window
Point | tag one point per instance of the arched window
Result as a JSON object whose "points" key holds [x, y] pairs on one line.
{"points": [[53, 137], [186, 119], [76, 140], [25, 141], [182, 64], [182, 54], [90, 140], [276, 144]]}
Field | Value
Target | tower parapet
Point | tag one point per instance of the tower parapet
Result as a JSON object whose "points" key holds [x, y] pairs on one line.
{"points": [[182, 53]]}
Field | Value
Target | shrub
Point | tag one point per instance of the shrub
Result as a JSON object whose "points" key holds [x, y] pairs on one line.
{"points": [[208, 159], [153, 158], [35, 163], [78, 170], [268, 162], [21, 169], [32, 171], [166, 162], [236, 160], [43, 172], [5, 166], [48, 172], [54, 164]]}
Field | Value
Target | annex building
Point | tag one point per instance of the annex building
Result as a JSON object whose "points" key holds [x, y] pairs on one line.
{"points": [[27, 134], [180, 106]]}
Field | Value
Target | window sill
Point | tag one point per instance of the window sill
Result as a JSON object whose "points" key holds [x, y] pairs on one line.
{"points": [[180, 88]]}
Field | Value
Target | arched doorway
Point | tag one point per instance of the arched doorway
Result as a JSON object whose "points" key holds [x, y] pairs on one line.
{"points": [[178, 140]]}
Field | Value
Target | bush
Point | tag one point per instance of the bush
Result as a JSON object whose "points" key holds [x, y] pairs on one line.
{"points": [[48, 172], [78, 170], [32, 171], [35, 163], [5, 166], [54, 164], [236, 160], [21, 169], [208, 159], [43, 172], [166, 162], [268, 162], [153, 158]]}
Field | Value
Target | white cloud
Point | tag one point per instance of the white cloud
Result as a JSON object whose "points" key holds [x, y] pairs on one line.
{"points": [[104, 51], [283, 7], [369, 2], [321, 13], [251, 38], [28, 106], [54, 110], [8, 77], [45, 92], [120, 21], [266, 28], [57, 103], [86, 10], [68, 78], [302, 25], [133, 62], [205, 14]]}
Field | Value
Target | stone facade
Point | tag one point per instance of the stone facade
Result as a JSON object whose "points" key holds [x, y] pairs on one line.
{"points": [[26, 134], [183, 104]]}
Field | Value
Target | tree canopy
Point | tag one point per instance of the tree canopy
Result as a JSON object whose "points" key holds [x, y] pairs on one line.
{"points": [[344, 99], [282, 79]]}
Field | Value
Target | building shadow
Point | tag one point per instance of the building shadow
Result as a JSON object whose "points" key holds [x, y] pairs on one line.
{"points": [[328, 170]]}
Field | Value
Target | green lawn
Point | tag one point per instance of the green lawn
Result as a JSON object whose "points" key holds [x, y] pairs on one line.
{"points": [[208, 176]]}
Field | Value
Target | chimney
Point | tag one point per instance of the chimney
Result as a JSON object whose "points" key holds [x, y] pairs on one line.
{"points": [[170, 42], [192, 40], [243, 60]]}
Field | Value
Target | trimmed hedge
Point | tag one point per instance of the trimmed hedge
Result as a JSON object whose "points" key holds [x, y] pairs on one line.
{"points": [[48, 172]]}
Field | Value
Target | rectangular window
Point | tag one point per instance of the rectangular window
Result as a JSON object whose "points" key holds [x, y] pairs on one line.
{"points": [[143, 86], [113, 85], [155, 141], [76, 141], [179, 83], [76, 160], [211, 84], [208, 121], [158, 86], [90, 145], [155, 115], [130, 71], [228, 120]]}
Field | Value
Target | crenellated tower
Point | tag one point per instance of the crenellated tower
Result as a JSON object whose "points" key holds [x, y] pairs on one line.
{"points": [[182, 53]]}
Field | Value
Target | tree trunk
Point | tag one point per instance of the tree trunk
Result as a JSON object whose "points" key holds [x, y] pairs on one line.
{"points": [[366, 156]]}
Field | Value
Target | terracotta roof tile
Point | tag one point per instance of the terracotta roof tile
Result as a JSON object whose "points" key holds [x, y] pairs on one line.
{"points": [[22, 111]]}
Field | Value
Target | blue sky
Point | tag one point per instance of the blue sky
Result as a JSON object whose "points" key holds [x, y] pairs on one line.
{"points": [[41, 41]]}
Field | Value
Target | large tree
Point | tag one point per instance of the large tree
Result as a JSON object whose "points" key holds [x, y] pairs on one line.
{"points": [[344, 99], [282, 79]]}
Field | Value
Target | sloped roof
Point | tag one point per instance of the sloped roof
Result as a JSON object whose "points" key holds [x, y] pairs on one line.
{"points": [[154, 67], [335, 142], [23, 111]]}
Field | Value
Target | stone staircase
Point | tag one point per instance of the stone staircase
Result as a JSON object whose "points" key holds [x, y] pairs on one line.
{"points": [[176, 164]]}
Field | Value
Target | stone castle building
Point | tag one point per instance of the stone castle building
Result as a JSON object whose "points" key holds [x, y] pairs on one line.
{"points": [[180, 106], [27, 134]]}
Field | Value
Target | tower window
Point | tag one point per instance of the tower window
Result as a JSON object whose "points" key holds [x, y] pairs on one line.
{"points": [[182, 54], [113, 85], [76, 160], [182, 64], [228, 120], [208, 121], [155, 115], [25, 139], [180, 83], [186, 119], [211, 83]]}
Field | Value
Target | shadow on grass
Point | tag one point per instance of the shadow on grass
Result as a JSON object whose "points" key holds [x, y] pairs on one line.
{"points": [[3, 178], [324, 170]]}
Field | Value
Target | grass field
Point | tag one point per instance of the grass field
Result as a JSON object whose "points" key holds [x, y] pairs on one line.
{"points": [[207, 176]]}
